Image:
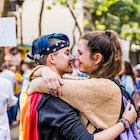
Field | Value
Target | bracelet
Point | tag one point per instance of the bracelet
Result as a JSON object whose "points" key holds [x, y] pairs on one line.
{"points": [[125, 122]]}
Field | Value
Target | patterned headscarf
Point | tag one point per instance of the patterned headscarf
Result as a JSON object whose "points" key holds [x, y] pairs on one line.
{"points": [[48, 44]]}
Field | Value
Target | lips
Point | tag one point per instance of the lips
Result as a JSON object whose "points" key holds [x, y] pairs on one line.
{"points": [[80, 64], [71, 63]]}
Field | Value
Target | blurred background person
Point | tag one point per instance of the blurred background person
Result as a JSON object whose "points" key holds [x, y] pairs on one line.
{"points": [[7, 99], [8, 74], [128, 78], [137, 94], [25, 68], [17, 91], [137, 69]]}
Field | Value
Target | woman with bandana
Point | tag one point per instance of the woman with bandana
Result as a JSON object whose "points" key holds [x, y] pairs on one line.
{"points": [[56, 119]]}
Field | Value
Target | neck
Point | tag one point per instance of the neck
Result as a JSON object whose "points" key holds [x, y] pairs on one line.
{"points": [[56, 71]]}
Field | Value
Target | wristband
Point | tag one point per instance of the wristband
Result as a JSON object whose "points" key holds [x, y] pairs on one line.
{"points": [[125, 123]]}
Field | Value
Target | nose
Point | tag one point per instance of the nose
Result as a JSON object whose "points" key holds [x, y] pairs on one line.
{"points": [[76, 58], [71, 57]]}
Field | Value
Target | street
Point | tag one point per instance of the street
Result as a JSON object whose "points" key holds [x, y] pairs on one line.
{"points": [[15, 132]]}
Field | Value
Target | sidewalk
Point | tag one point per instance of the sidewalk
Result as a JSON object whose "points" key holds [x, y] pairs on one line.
{"points": [[15, 132]]}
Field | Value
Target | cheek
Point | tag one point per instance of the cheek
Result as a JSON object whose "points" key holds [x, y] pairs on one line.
{"points": [[86, 65], [82, 64], [83, 60], [66, 58]]}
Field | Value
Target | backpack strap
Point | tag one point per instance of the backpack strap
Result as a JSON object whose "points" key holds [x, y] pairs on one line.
{"points": [[124, 93]]}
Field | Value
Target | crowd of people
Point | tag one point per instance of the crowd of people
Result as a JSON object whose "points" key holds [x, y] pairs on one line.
{"points": [[62, 97], [12, 89]]}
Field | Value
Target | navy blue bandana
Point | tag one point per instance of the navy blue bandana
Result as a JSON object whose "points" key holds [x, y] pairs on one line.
{"points": [[48, 44]]}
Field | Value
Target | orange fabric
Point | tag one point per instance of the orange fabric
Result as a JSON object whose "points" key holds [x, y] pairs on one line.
{"points": [[25, 120], [18, 85], [29, 118]]}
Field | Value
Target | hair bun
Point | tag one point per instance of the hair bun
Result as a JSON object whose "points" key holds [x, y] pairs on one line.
{"points": [[108, 33]]}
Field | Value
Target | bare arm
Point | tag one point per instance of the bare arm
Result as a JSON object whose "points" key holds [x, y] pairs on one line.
{"points": [[86, 95], [118, 128], [111, 133], [52, 80]]}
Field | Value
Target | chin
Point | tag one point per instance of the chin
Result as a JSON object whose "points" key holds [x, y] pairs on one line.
{"points": [[70, 71], [81, 70]]}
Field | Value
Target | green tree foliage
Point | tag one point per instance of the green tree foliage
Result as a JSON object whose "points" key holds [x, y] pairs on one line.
{"points": [[122, 16], [71, 5]]}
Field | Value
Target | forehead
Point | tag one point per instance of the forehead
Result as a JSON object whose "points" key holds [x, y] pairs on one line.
{"points": [[66, 49], [82, 45]]}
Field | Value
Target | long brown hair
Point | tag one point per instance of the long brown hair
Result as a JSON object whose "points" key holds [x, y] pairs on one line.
{"points": [[130, 71], [107, 43]]}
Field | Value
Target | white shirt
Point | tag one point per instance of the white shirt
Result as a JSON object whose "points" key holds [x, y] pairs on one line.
{"points": [[10, 76], [7, 99]]}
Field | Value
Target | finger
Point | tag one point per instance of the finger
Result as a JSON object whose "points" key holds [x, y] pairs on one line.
{"points": [[132, 107], [52, 93], [128, 106], [58, 87], [53, 85], [59, 83], [46, 82], [53, 89], [48, 85], [59, 91], [134, 110]]}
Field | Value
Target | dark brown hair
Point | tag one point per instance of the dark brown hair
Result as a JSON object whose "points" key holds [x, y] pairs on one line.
{"points": [[107, 43], [130, 71]]}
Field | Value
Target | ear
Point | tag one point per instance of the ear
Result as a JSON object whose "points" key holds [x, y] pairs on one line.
{"points": [[51, 58], [98, 58]]}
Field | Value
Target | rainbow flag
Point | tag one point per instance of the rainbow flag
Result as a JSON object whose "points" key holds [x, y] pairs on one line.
{"points": [[29, 118]]}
